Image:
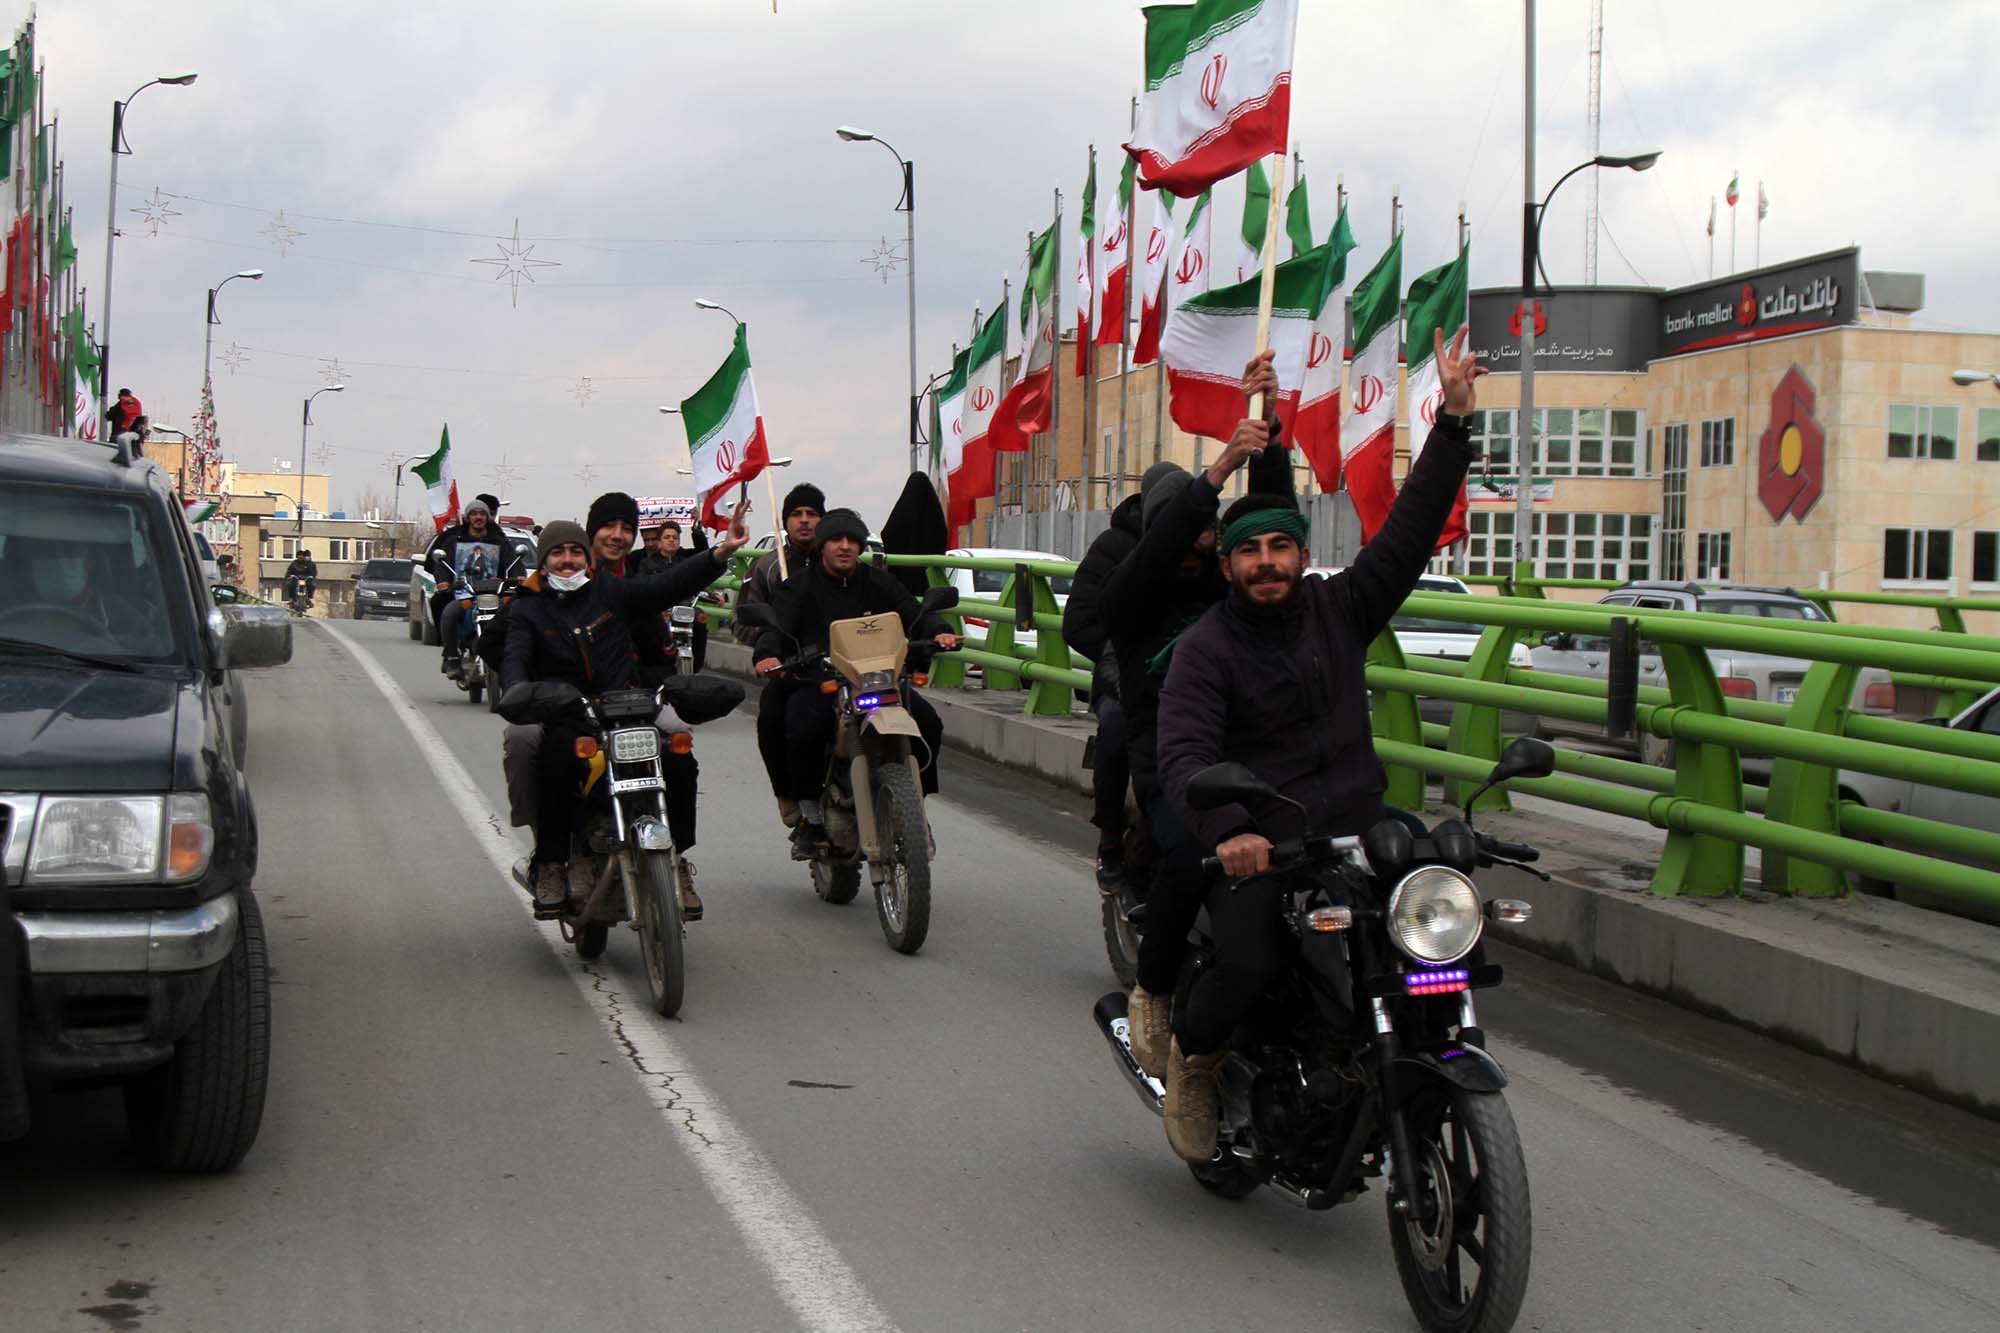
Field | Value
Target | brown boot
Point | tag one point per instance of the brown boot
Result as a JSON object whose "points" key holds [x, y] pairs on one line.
{"points": [[1192, 1088], [551, 888], [1147, 1015], [788, 811], [690, 900]]}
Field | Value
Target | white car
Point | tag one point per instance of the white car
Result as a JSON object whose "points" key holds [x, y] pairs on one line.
{"points": [[987, 584]]}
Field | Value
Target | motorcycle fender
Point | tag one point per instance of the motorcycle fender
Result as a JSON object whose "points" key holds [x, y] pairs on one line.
{"points": [[891, 721], [1454, 1062], [861, 783]]}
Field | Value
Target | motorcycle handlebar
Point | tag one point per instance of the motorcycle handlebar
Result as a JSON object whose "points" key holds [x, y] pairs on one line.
{"points": [[1511, 851]]}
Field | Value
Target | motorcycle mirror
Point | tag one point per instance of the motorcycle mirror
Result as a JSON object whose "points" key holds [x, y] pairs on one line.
{"points": [[1229, 784], [1526, 757], [941, 598]]}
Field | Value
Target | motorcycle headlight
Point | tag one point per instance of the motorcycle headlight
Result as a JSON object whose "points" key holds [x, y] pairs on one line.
{"points": [[1434, 915], [635, 745], [487, 601], [683, 615], [878, 680]]}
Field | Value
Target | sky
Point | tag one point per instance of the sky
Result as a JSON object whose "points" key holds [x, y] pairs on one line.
{"points": [[655, 152]]}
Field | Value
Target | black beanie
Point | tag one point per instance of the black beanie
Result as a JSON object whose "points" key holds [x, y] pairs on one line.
{"points": [[492, 502], [840, 523], [805, 495], [608, 506]]}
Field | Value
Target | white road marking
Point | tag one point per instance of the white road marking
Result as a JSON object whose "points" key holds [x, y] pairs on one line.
{"points": [[800, 1259]]}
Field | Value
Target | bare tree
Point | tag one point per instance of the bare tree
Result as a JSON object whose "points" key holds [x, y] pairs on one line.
{"points": [[404, 535]]}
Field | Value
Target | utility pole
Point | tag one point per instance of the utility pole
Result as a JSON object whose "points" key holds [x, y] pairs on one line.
{"points": [[1524, 433]]}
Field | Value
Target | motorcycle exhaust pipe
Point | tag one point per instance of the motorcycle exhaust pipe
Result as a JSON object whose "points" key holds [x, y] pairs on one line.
{"points": [[1116, 1027]]}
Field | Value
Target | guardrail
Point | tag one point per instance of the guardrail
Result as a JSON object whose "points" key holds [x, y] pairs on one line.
{"points": [[1811, 830]]}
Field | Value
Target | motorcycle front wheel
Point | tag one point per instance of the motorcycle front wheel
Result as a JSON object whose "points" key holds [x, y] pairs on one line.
{"points": [[660, 943], [836, 882], [1465, 1268], [903, 898]]}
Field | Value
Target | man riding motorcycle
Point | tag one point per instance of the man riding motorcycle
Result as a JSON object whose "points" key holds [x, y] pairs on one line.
{"points": [[1273, 678], [302, 567], [474, 548], [804, 504], [835, 585], [578, 628]]}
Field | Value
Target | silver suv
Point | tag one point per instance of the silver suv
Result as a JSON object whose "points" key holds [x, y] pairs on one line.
{"points": [[1742, 675]]}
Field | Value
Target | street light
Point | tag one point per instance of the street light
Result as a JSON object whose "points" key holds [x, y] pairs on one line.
{"points": [[208, 330], [1971, 377], [701, 303], [111, 235], [305, 420], [907, 206]]}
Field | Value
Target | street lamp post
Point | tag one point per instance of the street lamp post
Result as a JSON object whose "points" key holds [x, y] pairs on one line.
{"points": [[111, 236], [907, 206], [1968, 378], [305, 420], [208, 329]]}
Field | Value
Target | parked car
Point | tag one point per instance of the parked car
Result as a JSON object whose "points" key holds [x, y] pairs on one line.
{"points": [[1942, 804], [127, 838], [1742, 675], [988, 584], [383, 589], [423, 584]]}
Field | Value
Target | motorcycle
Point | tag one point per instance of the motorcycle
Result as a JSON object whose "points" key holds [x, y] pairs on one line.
{"points": [[1367, 1061], [680, 637], [298, 595], [480, 601], [624, 866], [873, 798]]}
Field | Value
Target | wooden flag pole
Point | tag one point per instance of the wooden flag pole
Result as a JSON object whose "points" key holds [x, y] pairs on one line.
{"points": [[778, 522], [1269, 289]]}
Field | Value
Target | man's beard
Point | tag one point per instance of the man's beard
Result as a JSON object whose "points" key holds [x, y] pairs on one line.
{"points": [[1260, 580]]}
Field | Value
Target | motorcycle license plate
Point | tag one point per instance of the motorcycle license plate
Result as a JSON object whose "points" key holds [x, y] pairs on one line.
{"points": [[1786, 694], [650, 782]]}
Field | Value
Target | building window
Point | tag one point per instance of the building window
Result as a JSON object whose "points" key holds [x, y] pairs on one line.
{"points": [[1922, 431], [1718, 442], [1568, 546], [1988, 431], [1674, 501], [288, 547], [1575, 441], [1921, 555], [267, 549], [1711, 558], [1986, 557], [336, 548]]}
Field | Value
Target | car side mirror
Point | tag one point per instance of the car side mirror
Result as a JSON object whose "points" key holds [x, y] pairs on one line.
{"points": [[1229, 784], [256, 636], [224, 594], [941, 598], [1558, 640]]}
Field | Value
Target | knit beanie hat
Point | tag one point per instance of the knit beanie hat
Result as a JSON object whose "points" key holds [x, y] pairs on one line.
{"points": [[554, 535], [805, 495], [477, 502], [1160, 484], [610, 506], [841, 523]]}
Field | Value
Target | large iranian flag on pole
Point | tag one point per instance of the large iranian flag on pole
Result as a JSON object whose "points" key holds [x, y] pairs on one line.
{"points": [[1437, 303], [725, 431], [1368, 429], [1028, 405], [435, 472], [969, 477], [1086, 249], [1316, 428], [1212, 337], [947, 444], [1113, 263], [1218, 90], [1153, 280], [1188, 277]]}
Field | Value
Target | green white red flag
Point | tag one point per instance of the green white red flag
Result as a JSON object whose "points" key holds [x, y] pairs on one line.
{"points": [[199, 510], [1086, 249], [1316, 428], [435, 473], [969, 474], [1438, 302], [725, 431], [1153, 280], [1256, 221], [1188, 276], [1368, 428], [1218, 90], [1028, 406], [1298, 219], [947, 439], [1113, 263]]}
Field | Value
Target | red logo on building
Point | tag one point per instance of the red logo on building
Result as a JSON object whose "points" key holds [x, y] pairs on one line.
{"points": [[1193, 261], [982, 398], [1211, 80], [1746, 305], [1318, 351], [1368, 393], [1791, 454], [1520, 314]]}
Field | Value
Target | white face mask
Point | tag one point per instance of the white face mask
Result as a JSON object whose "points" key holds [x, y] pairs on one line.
{"points": [[568, 582]]}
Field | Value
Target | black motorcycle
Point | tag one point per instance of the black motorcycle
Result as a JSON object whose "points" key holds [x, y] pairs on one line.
{"points": [[1368, 1061]]}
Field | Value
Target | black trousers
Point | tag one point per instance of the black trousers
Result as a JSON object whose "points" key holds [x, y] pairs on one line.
{"points": [[771, 733], [683, 778], [1174, 900], [557, 773], [1112, 772], [1248, 930], [809, 733]]}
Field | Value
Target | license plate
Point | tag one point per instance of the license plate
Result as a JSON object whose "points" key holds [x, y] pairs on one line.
{"points": [[648, 783], [1787, 694]]}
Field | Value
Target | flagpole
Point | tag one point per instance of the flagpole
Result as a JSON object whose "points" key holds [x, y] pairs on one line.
{"points": [[1269, 287], [1055, 352], [1733, 177], [1758, 262], [1087, 346], [777, 522], [1131, 216], [1711, 236]]}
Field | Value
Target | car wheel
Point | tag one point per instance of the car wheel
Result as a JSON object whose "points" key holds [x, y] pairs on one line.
{"points": [[431, 639], [1658, 751]]}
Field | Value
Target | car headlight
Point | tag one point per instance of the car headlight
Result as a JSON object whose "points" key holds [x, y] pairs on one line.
{"points": [[635, 745], [365, 592], [878, 680], [121, 839], [1434, 915]]}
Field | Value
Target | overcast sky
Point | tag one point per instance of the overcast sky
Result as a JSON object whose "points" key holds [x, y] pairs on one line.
{"points": [[656, 152]]}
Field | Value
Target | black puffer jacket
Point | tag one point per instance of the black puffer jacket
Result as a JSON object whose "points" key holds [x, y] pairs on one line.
{"points": [[585, 637], [811, 599], [1283, 690], [1083, 615]]}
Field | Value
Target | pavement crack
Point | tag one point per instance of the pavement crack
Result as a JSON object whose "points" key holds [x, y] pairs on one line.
{"points": [[675, 1102]]}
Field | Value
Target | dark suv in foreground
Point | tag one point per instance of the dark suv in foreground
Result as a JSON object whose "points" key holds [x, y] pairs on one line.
{"points": [[131, 949]]}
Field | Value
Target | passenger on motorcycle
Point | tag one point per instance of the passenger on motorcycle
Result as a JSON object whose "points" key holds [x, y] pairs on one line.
{"points": [[1273, 678], [835, 585], [576, 627], [804, 504], [475, 548], [302, 567]]}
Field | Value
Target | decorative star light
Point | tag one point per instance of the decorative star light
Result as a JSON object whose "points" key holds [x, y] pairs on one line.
{"points": [[282, 233], [885, 259], [323, 453], [514, 264], [585, 473], [233, 356], [505, 474], [333, 373], [155, 212], [583, 391]]}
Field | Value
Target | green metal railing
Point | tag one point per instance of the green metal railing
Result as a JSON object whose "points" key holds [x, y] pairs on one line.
{"points": [[1811, 831]]}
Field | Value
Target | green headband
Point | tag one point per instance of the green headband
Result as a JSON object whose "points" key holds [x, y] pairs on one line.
{"points": [[1260, 521]]}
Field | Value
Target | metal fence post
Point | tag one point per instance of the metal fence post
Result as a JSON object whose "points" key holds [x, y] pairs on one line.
{"points": [[947, 671], [1394, 717], [1476, 728], [1047, 698], [1807, 796], [1705, 774]]}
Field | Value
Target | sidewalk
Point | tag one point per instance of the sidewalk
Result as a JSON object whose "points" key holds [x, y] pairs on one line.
{"points": [[1909, 995]]}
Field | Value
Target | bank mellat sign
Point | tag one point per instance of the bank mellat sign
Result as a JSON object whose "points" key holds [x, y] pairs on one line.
{"points": [[1817, 293], [1791, 453]]}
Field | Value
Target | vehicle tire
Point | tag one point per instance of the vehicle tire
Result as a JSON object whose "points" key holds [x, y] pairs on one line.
{"points": [[476, 691], [1229, 1178], [201, 1110], [903, 898], [357, 612], [493, 701], [1658, 751], [591, 938], [661, 945], [416, 632], [1468, 1140], [1121, 940], [836, 882]]}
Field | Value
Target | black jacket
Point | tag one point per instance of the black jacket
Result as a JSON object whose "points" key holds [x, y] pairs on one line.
{"points": [[762, 582], [1148, 601], [586, 637], [449, 541], [1083, 616], [1284, 691], [811, 599]]}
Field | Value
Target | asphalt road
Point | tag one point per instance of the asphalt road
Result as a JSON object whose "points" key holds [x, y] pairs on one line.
{"points": [[469, 1129]]}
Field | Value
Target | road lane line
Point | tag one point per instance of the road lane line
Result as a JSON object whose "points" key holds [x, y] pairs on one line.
{"points": [[800, 1260]]}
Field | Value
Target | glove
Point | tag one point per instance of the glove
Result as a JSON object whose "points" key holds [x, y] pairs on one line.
{"points": [[528, 701]]}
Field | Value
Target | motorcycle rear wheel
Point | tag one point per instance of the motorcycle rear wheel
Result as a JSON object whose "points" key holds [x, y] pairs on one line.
{"points": [[591, 937], [1229, 1178], [1121, 940], [903, 898], [1470, 1163], [476, 690], [836, 882], [661, 945]]}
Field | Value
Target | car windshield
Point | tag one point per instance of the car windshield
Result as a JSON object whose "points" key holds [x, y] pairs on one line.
{"points": [[1800, 610], [386, 569], [1423, 625], [85, 575], [990, 583]]}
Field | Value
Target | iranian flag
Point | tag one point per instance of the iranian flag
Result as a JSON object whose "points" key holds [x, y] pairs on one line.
{"points": [[1212, 337], [1316, 428], [969, 476], [1113, 256], [1028, 406], [1086, 246], [947, 439], [1153, 280], [435, 473], [200, 511], [1256, 221], [725, 431], [1298, 219], [1188, 277], [1437, 303], [1368, 428], [1218, 90]]}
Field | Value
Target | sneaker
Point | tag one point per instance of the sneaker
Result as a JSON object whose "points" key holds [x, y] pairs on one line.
{"points": [[1193, 1085], [1147, 1015], [806, 841], [452, 664], [788, 811], [690, 900]]}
